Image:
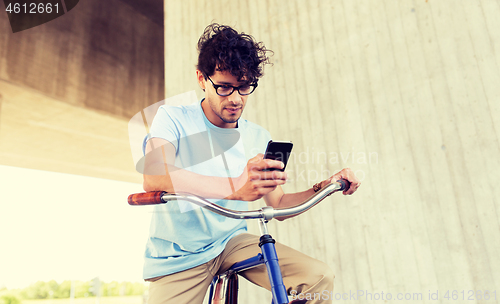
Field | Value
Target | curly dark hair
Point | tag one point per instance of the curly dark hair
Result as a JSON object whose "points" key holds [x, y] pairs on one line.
{"points": [[222, 48]]}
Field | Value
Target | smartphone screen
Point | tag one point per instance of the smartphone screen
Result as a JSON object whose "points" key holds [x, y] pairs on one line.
{"points": [[278, 150]]}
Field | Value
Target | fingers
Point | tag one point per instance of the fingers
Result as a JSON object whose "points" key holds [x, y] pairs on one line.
{"points": [[269, 164], [257, 158], [278, 176], [270, 183], [256, 186], [259, 163], [349, 176]]}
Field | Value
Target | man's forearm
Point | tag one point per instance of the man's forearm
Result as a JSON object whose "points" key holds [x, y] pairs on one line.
{"points": [[180, 180], [288, 200], [294, 199]]}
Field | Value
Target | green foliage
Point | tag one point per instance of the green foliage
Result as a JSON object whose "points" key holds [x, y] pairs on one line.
{"points": [[38, 290], [82, 289], [63, 290], [135, 289], [114, 289], [54, 290], [9, 299]]}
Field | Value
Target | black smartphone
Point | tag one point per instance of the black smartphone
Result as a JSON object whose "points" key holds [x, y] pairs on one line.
{"points": [[278, 150]]}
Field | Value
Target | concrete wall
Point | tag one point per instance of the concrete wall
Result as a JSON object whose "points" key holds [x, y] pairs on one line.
{"points": [[405, 93], [70, 86]]}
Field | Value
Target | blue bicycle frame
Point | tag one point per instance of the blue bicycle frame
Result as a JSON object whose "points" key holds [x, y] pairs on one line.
{"points": [[224, 287]]}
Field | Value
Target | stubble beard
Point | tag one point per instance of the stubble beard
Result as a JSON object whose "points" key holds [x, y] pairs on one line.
{"points": [[231, 119]]}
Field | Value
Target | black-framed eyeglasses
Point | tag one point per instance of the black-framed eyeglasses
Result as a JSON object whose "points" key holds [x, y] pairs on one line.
{"points": [[226, 90]]}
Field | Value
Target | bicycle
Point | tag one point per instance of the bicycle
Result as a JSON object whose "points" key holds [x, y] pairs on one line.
{"points": [[224, 287]]}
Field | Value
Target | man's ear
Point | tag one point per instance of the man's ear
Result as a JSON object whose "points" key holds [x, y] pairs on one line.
{"points": [[201, 79]]}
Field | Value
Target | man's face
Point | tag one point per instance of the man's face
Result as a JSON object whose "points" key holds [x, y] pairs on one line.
{"points": [[222, 111]]}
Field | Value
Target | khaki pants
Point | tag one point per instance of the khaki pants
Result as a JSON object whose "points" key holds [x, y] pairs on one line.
{"points": [[302, 275]]}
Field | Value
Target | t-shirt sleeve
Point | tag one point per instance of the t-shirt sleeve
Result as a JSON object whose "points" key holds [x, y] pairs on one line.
{"points": [[164, 126]]}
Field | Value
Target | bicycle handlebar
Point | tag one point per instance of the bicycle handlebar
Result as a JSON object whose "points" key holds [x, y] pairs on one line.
{"points": [[267, 212]]}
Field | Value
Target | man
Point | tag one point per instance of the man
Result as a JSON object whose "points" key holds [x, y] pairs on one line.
{"points": [[188, 246]]}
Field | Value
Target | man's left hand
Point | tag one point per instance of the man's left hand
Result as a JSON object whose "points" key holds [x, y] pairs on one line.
{"points": [[349, 176]]}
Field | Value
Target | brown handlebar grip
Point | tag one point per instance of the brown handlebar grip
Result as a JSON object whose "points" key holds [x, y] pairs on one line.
{"points": [[146, 198]]}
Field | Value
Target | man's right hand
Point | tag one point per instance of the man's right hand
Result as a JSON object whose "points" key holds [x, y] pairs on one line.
{"points": [[254, 183]]}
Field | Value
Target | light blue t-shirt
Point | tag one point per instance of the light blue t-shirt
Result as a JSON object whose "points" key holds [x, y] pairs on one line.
{"points": [[182, 235]]}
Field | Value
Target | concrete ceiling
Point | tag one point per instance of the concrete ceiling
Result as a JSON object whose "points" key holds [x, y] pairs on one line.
{"points": [[153, 9], [39, 132]]}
